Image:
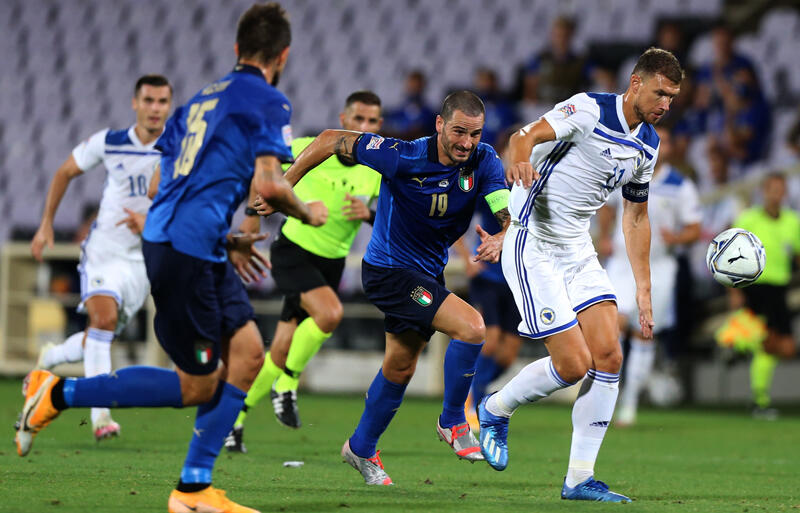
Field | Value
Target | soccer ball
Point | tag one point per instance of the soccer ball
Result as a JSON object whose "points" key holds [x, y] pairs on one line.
{"points": [[736, 258]]}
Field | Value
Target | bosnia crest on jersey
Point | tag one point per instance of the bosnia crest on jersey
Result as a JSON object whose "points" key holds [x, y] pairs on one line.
{"points": [[465, 182]]}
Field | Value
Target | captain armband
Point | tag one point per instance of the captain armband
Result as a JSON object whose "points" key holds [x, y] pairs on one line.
{"points": [[498, 200], [636, 192]]}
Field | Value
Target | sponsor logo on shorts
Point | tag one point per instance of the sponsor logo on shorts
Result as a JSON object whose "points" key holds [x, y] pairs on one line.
{"points": [[547, 315], [203, 351], [375, 142], [422, 296], [97, 281]]}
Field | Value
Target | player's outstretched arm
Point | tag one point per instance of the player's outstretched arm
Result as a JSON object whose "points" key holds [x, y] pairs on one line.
{"points": [[636, 228], [251, 222], [328, 143], [58, 186], [271, 185], [520, 145]]}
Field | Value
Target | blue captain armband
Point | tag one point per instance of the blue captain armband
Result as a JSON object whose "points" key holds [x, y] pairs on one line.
{"points": [[636, 192]]}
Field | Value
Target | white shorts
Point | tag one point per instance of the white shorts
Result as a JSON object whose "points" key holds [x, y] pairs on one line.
{"points": [[108, 273], [552, 282], [663, 272]]}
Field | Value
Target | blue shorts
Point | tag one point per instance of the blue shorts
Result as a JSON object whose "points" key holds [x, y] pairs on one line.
{"points": [[197, 304], [408, 298], [494, 300]]}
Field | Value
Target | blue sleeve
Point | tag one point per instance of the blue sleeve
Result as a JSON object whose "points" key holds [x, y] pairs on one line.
{"points": [[380, 153], [273, 133], [492, 174]]}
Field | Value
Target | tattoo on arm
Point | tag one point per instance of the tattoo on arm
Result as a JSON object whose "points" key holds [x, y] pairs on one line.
{"points": [[344, 148], [502, 216]]}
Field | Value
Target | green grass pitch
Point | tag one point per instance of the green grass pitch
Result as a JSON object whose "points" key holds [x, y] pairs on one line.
{"points": [[672, 461]]}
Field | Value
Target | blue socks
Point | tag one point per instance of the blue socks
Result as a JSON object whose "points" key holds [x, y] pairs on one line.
{"points": [[486, 370], [382, 401], [459, 369], [214, 420], [124, 388]]}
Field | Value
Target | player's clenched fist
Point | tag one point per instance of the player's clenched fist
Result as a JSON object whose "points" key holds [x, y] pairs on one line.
{"points": [[317, 213], [521, 173]]}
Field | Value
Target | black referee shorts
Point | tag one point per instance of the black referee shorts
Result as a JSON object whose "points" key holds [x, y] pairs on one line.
{"points": [[296, 270], [769, 301]]}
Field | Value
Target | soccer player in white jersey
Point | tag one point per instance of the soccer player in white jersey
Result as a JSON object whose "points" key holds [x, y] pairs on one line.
{"points": [[578, 153], [114, 283], [674, 212]]}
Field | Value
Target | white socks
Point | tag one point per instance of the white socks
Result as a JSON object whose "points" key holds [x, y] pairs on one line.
{"points": [[537, 380], [71, 350], [638, 366], [591, 416], [97, 360]]}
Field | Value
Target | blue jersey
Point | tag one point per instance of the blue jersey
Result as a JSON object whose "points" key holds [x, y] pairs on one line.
{"points": [[488, 222], [423, 206], [209, 147]]}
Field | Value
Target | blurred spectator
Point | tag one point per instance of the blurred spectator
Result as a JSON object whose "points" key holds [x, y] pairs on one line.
{"points": [[558, 72], [729, 91], [793, 138], [500, 112], [669, 36], [718, 214], [413, 118], [747, 120]]}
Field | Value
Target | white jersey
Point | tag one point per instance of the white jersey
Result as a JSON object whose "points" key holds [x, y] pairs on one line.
{"points": [[594, 153], [129, 166], [673, 204]]}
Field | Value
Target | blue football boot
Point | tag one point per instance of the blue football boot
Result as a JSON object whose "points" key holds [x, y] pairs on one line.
{"points": [[591, 490], [494, 436]]}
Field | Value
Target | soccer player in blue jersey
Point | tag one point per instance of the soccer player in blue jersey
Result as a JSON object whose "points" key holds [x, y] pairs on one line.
{"points": [[210, 149], [429, 192]]}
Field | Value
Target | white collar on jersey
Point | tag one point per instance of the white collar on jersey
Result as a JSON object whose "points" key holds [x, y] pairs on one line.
{"points": [[135, 139], [621, 116]]}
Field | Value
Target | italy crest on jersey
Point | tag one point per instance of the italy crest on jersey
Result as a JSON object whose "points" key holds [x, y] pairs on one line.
{"points": [[422, 296], [465, 182]]}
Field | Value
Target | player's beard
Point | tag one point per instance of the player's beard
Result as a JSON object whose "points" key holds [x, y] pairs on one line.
{"points": [[449, 151], [276, 77]]}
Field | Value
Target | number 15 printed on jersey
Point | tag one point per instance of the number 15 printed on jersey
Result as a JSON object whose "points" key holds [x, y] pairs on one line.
{"points": [[195, 132]]}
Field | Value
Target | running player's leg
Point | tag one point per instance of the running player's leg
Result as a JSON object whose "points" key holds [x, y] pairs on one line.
{"points": [[383, 399], [457, 319], [102, 311], [69, 351], [274, 361], [324, 315], [594, 407]]}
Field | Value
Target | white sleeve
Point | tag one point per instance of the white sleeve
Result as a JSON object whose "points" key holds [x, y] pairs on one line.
{"points": [[689, 211], [644, 172], [90, 152], [575, 118]]}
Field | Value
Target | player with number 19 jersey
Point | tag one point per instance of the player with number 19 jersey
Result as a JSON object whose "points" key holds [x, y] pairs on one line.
{"points": [[423, 206], [209, 147]]}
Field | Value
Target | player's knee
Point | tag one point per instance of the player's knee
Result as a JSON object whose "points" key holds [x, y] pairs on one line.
{"points": [[103, 321], [400, 372], [198, 391], [473, 331], [609, 360], [329, 319], [573, 368]]}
